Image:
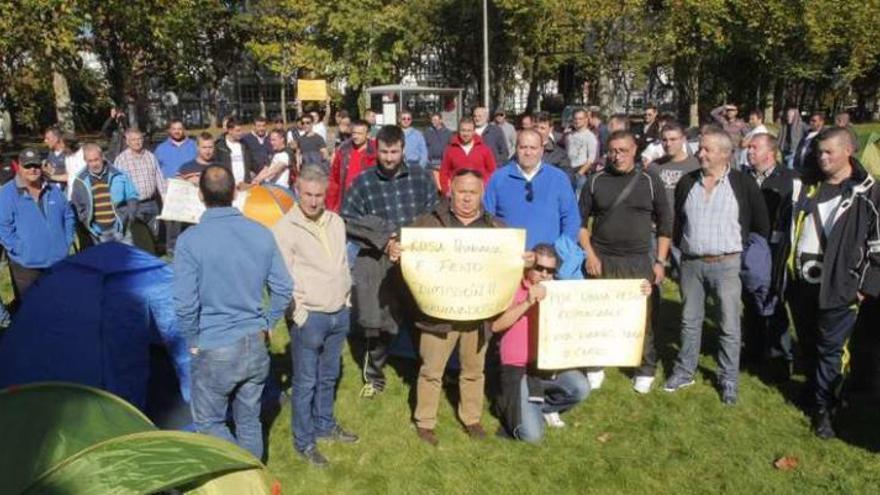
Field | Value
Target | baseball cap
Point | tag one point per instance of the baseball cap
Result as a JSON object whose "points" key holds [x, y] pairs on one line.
{"points": [[28, 156]]}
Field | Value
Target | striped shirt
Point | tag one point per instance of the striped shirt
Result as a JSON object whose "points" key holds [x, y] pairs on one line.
{"points": [[712, 227], [145, 172]]}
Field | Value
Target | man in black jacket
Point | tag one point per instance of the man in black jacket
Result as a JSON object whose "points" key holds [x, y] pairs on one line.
{"points": [[834, 263], [767, 344], [716, 209], [232, 153]]}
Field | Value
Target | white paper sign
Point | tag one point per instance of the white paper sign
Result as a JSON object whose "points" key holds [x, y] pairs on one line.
{"points": [[182, 203]]}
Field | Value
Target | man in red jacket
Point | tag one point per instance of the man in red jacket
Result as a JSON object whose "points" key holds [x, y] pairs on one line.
{"points": [[354, 155], [465, 150]]}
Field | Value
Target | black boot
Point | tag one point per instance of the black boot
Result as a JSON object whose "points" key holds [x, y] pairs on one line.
{"points": [[822, 425]]}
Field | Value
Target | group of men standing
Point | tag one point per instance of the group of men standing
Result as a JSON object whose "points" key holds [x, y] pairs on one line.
{"points": [[812, 240]]}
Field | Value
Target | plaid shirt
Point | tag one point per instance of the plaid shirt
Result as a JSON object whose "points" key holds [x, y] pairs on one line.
{"points": [[144, 170], [399, 199], [712, 226]]}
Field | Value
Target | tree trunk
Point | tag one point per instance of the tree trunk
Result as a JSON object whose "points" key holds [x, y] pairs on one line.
{"points": [[769, 97], [694, 108], [63, 105], [532, 98], [261, 97], [284, 100]]}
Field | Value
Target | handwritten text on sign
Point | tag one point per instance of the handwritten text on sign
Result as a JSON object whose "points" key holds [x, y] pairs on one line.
{"points": [[462, 274], [591, 323], [182, 203]]}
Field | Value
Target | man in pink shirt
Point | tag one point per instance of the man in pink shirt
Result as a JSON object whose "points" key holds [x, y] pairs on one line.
{"points": [[530, 398]]}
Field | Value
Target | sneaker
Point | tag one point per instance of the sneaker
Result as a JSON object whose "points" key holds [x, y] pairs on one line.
{"points": [[677, 382], [370, 391], [475, 431], [728, 393], [314, 457], [596, 378], [642, 384], [822, 426], [337, 434], [553, 420], [427, 436]]}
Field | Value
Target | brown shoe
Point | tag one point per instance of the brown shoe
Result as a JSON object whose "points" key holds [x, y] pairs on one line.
{"points": [[475, 431], [427, 436]]}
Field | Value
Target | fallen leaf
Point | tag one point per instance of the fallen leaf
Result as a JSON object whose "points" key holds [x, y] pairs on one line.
{"points": [[604, 437], [786, 463]]}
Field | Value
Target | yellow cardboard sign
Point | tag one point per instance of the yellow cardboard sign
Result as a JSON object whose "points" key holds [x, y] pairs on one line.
{"points": [[311, 90], [462, 274], [591, 323]]}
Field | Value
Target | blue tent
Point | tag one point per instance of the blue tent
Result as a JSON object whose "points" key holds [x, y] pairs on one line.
{"points": [[98, 318]]}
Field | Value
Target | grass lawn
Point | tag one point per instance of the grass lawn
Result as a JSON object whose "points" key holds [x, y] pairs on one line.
{"points": [[615, 442]]}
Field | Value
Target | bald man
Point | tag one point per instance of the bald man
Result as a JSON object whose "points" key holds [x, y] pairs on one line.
{"points": [[767, 344]]}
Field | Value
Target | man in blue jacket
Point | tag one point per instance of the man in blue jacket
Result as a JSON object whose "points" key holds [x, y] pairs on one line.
{"points": [[533, 195], [36, 223], [105, 199], [221, 267]]}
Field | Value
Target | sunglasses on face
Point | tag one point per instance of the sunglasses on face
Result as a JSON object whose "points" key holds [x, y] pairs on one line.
{"points": [[530, 192], [31, 166], [545, 269]]}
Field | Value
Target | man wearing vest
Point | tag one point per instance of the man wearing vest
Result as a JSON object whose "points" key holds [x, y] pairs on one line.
{"points": [[834, 265], [105, 199]]}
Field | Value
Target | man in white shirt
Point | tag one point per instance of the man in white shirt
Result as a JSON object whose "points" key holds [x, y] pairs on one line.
{"points": [[231, 153]]}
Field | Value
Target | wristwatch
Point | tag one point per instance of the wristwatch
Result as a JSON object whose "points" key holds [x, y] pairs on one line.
{"points": [[658, 261]]}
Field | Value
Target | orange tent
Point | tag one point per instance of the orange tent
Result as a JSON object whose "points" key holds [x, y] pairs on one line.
{"points": [[266, 203]]}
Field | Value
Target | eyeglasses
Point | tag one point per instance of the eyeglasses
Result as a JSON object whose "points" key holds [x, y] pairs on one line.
{"points": [[530, 192], [31, 165], [545, 269]]}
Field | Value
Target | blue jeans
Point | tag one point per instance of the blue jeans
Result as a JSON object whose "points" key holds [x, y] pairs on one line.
{"points": [[238, 371], [721, 280], [561, 393], [317, 354]]}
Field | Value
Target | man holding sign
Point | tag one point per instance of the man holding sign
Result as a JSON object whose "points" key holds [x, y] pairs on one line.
{"points": [[626, 204], [439, 337]]}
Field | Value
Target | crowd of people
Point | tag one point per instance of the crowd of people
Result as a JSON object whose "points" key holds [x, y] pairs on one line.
{"points": [[755, 221]]}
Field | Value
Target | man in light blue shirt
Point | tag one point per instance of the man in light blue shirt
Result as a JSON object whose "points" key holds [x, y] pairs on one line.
{"points": [[221, 267], [415, 150], [176, 150]]}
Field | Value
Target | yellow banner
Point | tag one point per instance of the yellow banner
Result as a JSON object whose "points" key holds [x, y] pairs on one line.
{"points": [[591, 323], [462, 274], [311, 90]]}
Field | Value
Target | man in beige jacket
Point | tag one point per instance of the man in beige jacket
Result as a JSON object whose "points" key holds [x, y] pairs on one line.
{"points": [[312, 243]]}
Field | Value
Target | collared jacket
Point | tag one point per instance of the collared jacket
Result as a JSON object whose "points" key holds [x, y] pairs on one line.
{"points": [[851, 259], [223, 157], [123, 197], [343, 171], [752, 209], [480, 158], [436, 140], [35, 235], [323, 279], [494, 138], [442, 217]]}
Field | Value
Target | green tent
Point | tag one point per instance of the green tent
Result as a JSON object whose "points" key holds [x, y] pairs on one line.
{"points": [[62, 438], [869, 155]]}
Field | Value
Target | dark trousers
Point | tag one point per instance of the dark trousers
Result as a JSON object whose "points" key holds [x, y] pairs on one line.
{"points": [[22, 279], [822, 335], [637, 266], [765, 338], [376, 353]]}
